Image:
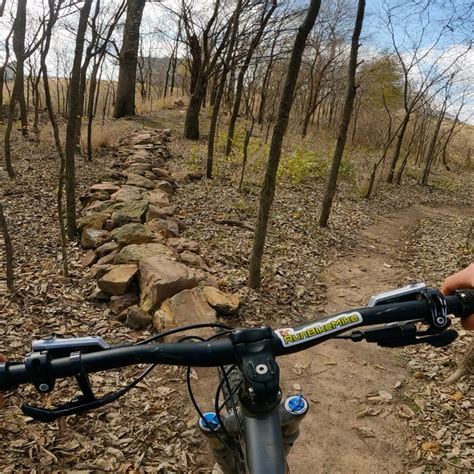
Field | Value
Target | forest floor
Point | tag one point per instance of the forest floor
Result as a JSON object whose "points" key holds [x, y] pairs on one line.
{"points": [[372, 409]]}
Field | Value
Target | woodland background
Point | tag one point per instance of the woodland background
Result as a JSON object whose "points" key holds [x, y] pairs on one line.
{"points": [[302, 124]]}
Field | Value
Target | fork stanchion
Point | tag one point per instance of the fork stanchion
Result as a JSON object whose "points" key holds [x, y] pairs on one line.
{"points": [[292, 412], [216, 440]]}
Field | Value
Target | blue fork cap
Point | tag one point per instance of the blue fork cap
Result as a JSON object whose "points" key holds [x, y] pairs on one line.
{"points": [[296, 405], [211, 422]]}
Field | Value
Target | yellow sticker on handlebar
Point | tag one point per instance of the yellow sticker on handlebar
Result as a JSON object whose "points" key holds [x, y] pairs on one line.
{"points": [[291, 337]]}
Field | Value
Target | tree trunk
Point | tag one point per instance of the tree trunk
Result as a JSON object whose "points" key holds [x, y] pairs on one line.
{"points": [[8, 251], [125, 100], [19, 32], [266, 80], [346, 118], [74, 108], [431, 150], [245, 152], [286, 101], [91, 105], [191, 123], [2, 80], [3, 70], [398, 148], [18, 92]]}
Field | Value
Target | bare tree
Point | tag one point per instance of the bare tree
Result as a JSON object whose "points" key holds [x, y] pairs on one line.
{"points": [[53, 17], [205, 44], [286, 101], [346, 118], [74, 100], [414, 64], [266, 14], [221, 87]]}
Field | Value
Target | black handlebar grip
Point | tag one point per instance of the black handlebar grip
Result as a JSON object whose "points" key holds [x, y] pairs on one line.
{"points": [[466, 298], [5, 378]]}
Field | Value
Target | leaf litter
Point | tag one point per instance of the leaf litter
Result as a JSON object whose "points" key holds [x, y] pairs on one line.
{"points": [[154, 429]]}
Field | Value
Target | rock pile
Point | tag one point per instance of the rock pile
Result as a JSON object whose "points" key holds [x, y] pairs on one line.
{"points": [[143, 267]]}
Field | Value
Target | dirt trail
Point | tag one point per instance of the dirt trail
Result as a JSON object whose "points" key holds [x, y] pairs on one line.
{"points": [[339, 376]]}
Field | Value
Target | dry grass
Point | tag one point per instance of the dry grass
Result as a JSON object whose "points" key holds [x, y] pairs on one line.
{"points": [[104, 134], [154, 104]]}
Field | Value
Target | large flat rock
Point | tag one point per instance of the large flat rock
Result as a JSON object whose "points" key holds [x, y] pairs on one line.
{"points": [[186, 307], [134, 253], [117, 281], [161, 278]]}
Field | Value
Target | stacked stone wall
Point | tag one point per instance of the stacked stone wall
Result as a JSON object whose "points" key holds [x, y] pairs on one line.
{"points": [[147, 271]]}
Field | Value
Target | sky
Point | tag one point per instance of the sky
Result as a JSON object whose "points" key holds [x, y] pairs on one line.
{"points": [[408, 23]]}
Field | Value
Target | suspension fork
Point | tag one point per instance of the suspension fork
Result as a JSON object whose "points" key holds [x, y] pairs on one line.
{"points": [[270, 428], [267, 437]]}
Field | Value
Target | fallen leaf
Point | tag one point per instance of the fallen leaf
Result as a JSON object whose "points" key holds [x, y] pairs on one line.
{"points": [[431, 446]]}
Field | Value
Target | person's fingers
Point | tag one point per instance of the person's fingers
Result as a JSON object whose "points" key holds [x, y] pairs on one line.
{"points": [[2, 358], [460, 280], [468, 323]]}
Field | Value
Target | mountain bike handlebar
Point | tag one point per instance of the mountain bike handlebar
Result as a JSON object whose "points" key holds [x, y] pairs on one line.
{"points": [[254, 352], [48, 362]]}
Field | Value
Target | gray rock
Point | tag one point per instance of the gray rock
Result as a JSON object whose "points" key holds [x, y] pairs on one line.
{"points": [[108, 259], [163, 174], [122, 302], [127, 193], [193, 260], [158, 198], [137, 180], [93, 221], [107, 187], [180, 244], [106, 248], [186, 307], [224, 303], [133, 234], [132, 211], [89, 258], [155, 212], [135, 318], [134, 167], [134, 253], [98, 295], [96, 196], [164, 186], [167, 228], [98, 271], [93, 238]]}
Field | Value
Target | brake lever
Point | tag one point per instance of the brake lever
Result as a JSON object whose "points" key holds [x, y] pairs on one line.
{"points": [[76, 406], [85, 402], [405, 334], [38, 362], [438, 319]]}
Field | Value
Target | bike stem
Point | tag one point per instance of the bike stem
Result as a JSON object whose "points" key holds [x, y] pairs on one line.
{"points": [[261, 388]]}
